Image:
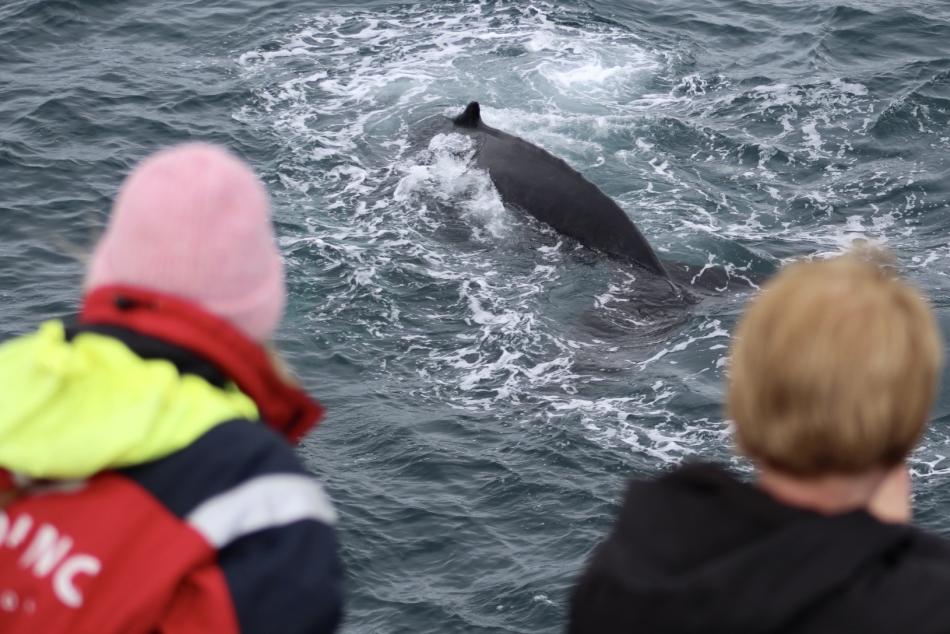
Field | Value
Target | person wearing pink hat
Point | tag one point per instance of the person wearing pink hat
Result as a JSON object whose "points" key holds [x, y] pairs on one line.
{"points": [[147, 477]]}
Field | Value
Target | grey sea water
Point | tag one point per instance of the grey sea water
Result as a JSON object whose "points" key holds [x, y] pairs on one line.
{"points": [[491, 386]]}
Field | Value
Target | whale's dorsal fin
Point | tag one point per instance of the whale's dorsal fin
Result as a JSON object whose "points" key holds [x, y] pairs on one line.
{"points": [[471, 117]]}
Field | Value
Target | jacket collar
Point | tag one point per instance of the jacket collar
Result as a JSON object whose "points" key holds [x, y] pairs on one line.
{"points": [[283, 406], [145, 347]]}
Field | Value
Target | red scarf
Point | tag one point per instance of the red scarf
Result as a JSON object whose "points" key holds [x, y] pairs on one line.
{"points": [[284, 407]]}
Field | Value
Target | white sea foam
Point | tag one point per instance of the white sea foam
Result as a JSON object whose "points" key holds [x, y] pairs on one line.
{"points": [[447, 173], [812, 137]]}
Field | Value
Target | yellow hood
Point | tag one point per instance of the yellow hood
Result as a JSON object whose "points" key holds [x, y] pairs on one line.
{"points": [[70, 409]]}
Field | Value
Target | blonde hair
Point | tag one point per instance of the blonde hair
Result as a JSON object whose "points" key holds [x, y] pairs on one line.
{"points": [[834, 367]]}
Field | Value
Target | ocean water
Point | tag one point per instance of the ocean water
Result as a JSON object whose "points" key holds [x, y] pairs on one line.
{"points": [[490, 385]]}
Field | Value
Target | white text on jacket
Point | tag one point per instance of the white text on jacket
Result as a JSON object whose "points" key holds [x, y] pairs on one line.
{"points": [[47, 553]]}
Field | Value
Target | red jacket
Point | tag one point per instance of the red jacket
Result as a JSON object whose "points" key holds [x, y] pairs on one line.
{"points": [[226, 534]]}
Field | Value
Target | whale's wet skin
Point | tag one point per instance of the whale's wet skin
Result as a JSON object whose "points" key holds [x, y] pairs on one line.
{"points": [[490, 384], [546, 187]]}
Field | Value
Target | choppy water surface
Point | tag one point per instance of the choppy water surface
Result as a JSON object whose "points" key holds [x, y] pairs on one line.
{"points": [[490, 385]]}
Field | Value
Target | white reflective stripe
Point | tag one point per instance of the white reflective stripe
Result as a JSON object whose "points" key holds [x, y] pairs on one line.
{"points": [[264, 502]]}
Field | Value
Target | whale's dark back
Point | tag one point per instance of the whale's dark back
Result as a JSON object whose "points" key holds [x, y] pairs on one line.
{"points": [[552, 191]]}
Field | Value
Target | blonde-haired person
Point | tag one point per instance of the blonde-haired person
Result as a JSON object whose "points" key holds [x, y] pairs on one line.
{"points": [[148, 480], [834, 368]]}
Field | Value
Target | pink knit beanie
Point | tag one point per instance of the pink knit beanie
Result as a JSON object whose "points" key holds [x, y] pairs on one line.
{"points": [[194, 221]]}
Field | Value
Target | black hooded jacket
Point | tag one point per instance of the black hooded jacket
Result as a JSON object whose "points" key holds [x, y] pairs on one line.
{"points": [[699, 552]]}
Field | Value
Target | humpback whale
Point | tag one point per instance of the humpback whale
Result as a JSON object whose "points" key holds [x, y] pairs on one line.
{"points": [[541, 184]]}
